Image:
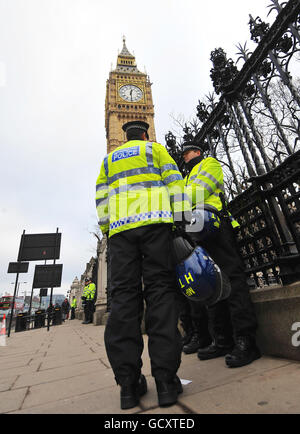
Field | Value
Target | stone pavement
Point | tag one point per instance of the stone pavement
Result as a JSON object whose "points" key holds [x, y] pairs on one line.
{"points": [[66, 371]]}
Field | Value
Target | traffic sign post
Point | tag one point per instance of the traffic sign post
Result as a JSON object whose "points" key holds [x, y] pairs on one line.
{"points": [[37, 247], [16, 267]]}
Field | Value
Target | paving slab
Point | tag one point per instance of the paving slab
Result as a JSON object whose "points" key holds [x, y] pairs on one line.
{"points": [[268, 392], [54, 374], [68, 388], [12, 400], [6, 382], [206, 374], [58, 363], [66, 370], [101, 402], [20, 370]]}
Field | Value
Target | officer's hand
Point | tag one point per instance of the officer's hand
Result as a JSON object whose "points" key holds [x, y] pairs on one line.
{"points": [[182, 220]]}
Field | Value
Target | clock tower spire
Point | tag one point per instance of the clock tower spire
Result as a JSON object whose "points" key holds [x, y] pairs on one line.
{"points": [[128, 98]]}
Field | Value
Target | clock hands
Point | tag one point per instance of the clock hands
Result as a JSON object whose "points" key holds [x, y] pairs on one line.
{"points": [[130, 93]]}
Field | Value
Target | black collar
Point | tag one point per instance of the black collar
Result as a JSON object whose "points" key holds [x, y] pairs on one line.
{"points": [[192, 163]]}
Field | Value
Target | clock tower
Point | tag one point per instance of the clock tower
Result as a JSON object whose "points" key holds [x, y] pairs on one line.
{"points": [[128, 98]]}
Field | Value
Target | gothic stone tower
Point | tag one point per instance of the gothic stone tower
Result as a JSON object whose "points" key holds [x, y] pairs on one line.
{"points": [[128, 98]]}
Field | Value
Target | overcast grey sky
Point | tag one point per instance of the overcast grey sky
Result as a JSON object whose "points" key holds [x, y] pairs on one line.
{"points": [[55, 58]]}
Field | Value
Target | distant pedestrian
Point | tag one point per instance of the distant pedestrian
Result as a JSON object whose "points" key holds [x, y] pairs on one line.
{"points": [[50, 310], [65, 309]]}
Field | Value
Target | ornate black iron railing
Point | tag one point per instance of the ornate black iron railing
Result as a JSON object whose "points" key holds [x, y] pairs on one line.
{"points": [[269, 215], [268, 210]]}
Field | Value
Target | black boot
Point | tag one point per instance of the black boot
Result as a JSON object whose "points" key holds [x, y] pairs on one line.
{"points": [[195, 343], [219, 347], [130, 394], [244, 352], [186, 338], [168, 391]]}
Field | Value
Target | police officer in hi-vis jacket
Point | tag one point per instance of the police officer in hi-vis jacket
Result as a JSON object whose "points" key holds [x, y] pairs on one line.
{"points": [[139, 193], [233, 321]]}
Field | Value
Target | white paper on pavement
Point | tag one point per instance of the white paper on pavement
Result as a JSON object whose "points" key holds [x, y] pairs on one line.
{"points": [[185, 382]]}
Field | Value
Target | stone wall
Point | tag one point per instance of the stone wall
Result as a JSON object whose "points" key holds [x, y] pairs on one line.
{"points": [[278, 309]]}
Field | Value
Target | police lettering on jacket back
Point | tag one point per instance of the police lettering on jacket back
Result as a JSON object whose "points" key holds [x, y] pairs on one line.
{"points": [[126, 153]]}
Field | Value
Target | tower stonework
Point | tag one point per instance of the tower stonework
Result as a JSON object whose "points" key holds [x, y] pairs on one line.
{"points": [[128, 98]]}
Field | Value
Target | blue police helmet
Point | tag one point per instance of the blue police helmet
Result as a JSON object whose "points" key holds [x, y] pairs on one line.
{"points": [[201, 280]]}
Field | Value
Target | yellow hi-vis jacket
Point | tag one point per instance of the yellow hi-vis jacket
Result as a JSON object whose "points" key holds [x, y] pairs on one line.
{"points": [[204, 185], [89, 291], [74, 303], [139, 184]]}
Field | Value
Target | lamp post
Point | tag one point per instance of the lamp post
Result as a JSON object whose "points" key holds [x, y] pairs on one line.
{"points": [[19, 283]]}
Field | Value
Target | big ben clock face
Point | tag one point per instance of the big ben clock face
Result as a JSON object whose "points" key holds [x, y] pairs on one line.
{"points": [[130, 93]]}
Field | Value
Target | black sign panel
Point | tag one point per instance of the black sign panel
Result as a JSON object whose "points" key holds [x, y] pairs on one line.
{"points": [[18, 267], [43, 292], [47, 275], [38, 247]]}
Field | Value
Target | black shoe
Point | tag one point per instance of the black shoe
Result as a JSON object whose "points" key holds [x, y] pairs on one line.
{"points": [[167, 391], [86, 322], [186, 338], [130, 394], [214, 350], [244, 352], [195, 343]]}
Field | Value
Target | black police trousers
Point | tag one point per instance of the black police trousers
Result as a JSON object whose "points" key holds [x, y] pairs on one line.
{"points": [[194, 317], [142, 269], [89, 310], [238, 307]]}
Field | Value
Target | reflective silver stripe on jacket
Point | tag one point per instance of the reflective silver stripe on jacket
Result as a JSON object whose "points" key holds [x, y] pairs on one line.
{"points": [[106, 165], [179, 197], [103, 221], [172, 178], [133, 172], [212, 178], [169, 167], [149, 154], [102, 202], [135, 186], [101, 187], [206, 186]]}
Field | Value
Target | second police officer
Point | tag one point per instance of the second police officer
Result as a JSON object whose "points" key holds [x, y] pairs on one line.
{"points": [[233, 321]]}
